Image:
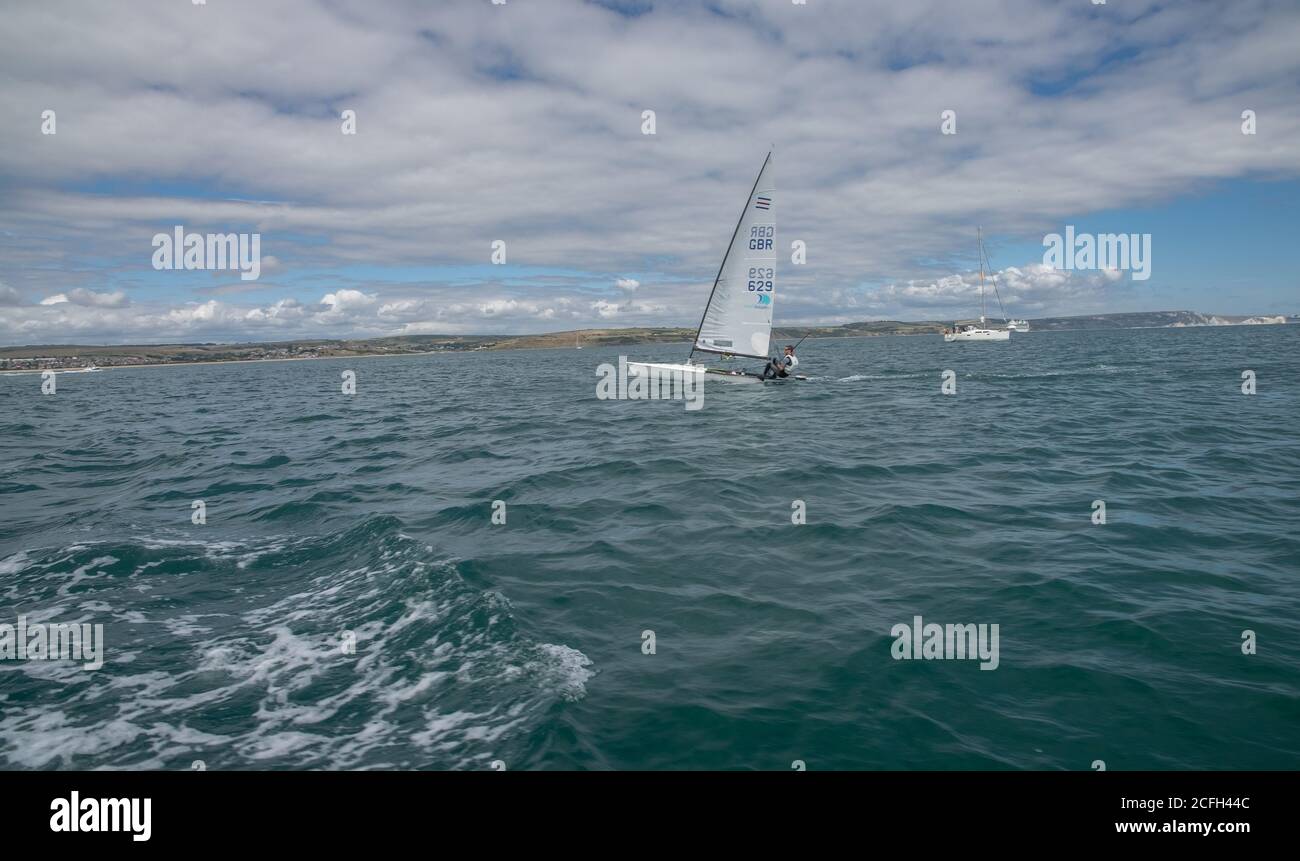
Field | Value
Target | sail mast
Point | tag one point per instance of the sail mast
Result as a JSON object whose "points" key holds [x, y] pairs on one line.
{"points": [[726, 254], [979, 234], [994, 280]]}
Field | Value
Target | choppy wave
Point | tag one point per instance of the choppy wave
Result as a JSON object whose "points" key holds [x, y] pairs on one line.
{"points": [[234, 653], [625, 525]]}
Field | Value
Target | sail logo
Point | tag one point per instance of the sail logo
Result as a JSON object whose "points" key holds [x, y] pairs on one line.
{"points": [[1108, 251], [762, 202], [935, 642], [649, 382], [764, 299], [75, 813]]}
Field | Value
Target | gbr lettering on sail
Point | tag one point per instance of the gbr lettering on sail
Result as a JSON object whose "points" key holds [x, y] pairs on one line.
{"points": [[761, 277]]}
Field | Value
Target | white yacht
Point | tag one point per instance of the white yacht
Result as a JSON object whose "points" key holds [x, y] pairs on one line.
{"points": [[981, 332]]}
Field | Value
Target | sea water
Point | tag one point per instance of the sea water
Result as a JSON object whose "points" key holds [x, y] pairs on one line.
{"points": [[475, 560]]}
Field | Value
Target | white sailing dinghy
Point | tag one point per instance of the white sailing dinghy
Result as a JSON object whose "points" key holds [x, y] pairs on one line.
{"points": [[737, 319], [970, 332]]}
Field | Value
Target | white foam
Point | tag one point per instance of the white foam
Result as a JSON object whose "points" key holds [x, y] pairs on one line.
{"points": [[80, 574], [568, 671], [439, 675]]}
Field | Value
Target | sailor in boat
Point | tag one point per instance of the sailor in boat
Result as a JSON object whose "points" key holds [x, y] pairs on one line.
{"points": [[781, 367]]}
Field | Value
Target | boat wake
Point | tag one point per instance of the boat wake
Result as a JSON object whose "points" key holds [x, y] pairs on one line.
{"points": [[292, 653]]}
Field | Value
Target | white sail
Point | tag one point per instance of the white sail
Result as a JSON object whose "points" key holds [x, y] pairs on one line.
{"points": [[738, 318]]}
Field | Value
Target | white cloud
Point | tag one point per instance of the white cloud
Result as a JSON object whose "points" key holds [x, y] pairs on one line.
{"points": [[348, 301], [283, 311], [401, 308], [89, 298], [1031, 289], [477, 123], [207, 312], [113, 299]]}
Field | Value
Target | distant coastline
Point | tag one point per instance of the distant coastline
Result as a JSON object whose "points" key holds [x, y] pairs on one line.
{"points": [[80, 368], [28, 359]]}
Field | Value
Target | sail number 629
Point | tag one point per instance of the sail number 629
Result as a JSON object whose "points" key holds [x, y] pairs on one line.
{"points": [[760, 279]]}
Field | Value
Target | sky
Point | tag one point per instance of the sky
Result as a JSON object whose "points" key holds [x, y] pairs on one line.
{"points": [[522, 122]]}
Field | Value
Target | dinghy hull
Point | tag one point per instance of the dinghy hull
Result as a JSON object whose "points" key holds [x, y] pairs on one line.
{"points": [[701, 372]]}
